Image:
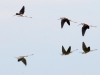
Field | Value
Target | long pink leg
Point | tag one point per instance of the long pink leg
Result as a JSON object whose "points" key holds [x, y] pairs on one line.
{"points": [[73, 21], [92, 26], [74, 50]]}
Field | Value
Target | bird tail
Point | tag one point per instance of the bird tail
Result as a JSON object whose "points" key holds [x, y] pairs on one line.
{"points": [[73, 21]]}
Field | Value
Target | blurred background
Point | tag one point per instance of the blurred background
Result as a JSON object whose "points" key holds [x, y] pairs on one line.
{"points": [[42, 36]]}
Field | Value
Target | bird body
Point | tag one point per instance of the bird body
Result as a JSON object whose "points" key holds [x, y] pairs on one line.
{"points": [[63, 20], [22, 58], [84, 28], [64, 52], [86, 49], [21, 13]]}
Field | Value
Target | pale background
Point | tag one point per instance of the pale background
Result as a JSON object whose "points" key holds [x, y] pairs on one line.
{"points": [[42, 36]]}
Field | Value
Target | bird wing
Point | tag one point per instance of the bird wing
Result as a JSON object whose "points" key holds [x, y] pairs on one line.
{"points": [[22, 10], [24, 61], [84, 47], [68, 22], [62, 22], [69, 49], [84, 29], [63, 50]]}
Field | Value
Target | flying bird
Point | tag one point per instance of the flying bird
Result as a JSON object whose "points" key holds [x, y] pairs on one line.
{"points": [[64, 52], [22, 58], [21, 12], [86, 49], [63, 20], [85, 27]]}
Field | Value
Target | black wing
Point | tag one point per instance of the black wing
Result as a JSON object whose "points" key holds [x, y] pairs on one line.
{"points": [[22, 10], [24, 61], [63, 21], [63, 50], [68, 22], [85, 49], [83, 31], [84, 28], [69, 49], [84, 46]]}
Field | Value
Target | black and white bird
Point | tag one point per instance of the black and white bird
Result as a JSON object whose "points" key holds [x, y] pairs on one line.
{"points": [[85, 27], [63, 20], [21, 12], [86, 49], [22, 58], [64, 52]]}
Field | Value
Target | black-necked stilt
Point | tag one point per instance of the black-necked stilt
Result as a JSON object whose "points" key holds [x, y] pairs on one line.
{"points": [[85, 27], [86, 49], [22, 58], [21, 12], [64, 52], [63, 20]]}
